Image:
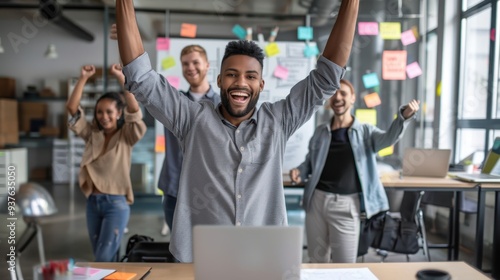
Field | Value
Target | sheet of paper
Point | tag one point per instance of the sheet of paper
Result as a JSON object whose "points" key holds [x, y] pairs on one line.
{"points": [[337, 274], [162, 44], [272, 49], [413, 70], [167, 62], [173, 81], [408, 37], [372, 100], [281, 72], [390, 30], [366, 116], [370, 80], [90, 273]]}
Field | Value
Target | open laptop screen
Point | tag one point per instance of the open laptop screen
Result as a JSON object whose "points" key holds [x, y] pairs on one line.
{"points": [[491, 165]]}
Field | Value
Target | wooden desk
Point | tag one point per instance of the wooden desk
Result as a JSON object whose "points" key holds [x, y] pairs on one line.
{"points": [[481, 207], [383, 271], [393, 180]]}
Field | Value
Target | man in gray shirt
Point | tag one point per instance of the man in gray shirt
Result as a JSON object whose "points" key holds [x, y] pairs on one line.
{"points": [[233, 153]]}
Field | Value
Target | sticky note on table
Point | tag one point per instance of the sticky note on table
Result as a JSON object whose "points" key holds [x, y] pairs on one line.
{"points": [[281, 72], [239, 31], [370, 80], [272, 49], [162, 44], [118, 275], [188, 30], [413, 70], [311, 50], [173, 81], [394, 65], [167, 62], [408, 37], [305, 33], [390, 30], [386, 151], [372, 100], [366, 116], [368, 28]]}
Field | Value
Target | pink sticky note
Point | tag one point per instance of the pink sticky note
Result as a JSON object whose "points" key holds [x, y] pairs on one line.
{"points": [[413, 70], [493, 34], [394, 65], [174, 81], [281, 72], [162, 44], [85, 271], [408, 37], [368, 28]]}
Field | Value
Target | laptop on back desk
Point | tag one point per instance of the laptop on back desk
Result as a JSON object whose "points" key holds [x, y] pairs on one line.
{"points": [[426, 162], [490, 172], [247, 253]]}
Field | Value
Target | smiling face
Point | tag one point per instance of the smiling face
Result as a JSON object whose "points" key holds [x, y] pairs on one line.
{"points": [[343, 100], [240, 83], [107, 114], [194, 68]]}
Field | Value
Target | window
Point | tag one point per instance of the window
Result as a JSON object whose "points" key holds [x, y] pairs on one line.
{"points": [[474, 94], [469, 141]]}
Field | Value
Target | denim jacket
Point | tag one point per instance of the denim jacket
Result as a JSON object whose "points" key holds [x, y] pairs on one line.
{"points": [[366, 140]]}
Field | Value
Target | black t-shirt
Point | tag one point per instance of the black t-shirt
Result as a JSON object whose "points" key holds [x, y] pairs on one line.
{"points": [[339, 174]]}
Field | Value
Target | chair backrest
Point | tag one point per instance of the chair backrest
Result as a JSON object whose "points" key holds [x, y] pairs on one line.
{"points": [[410, 205]]}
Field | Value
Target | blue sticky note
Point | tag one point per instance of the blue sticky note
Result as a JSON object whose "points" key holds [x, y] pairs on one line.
{"points": [[311, 51], [305, 33], [239, 31], [370, 80]]}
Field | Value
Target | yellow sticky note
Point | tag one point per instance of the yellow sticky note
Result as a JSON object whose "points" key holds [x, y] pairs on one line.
{"points": [[438, 89], [188, 30], [386, 151], [366, 116], [167, 63], [390, 30], [272, 49]]}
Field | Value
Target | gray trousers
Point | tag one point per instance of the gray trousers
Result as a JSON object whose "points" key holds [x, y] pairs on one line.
{"points": [[332, 227]]}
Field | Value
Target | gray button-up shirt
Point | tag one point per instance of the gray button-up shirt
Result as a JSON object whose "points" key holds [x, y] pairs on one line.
{"points": [[230, 175]]}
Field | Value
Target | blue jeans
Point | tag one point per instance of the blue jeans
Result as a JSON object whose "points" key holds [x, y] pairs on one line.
{"points": [[107, 217], [168, 203]]}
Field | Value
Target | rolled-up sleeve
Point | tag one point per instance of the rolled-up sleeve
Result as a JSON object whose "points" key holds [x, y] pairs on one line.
{"points": [[79, 125], [134, 127]]}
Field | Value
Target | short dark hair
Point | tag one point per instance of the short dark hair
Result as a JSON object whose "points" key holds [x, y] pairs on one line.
{"points": [[120, 105], [244, 47]]}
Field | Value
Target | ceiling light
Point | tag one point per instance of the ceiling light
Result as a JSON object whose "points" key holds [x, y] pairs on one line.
{"points": [[51, 52]]}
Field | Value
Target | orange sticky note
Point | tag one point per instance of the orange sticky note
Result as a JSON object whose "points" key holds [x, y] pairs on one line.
{"points": [[272, 49], [394, 65], [386, 151], [120, 276], [372, 100], [188, 30], [160, 144]]}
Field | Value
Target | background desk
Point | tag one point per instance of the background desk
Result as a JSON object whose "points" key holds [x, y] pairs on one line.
{"points": [[383, 271], [409, 183], [495, 261]]}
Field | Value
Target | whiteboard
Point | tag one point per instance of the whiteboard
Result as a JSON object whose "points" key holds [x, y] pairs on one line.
{"points": [[291, 56]]}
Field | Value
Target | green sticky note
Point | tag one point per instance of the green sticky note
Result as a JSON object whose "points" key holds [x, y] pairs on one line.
{"points": [[310, 51], [305, 33], [167, 63], [239, 31]]}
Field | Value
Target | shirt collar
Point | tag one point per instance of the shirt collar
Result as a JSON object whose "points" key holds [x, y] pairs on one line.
{"points": [[252, 119]]}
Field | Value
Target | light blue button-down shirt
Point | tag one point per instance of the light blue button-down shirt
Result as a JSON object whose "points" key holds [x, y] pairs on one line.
{"points": [[230, 175]]}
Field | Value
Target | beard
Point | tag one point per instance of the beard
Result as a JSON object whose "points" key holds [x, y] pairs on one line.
{"points": [[238, 114]]}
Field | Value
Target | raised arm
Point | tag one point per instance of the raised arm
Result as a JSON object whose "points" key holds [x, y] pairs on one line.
{"points": [[339, 44], [129, 38], [74, 100], [132, 105]]}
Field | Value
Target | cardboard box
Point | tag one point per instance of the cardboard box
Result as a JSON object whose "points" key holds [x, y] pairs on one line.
{"points": [[7, 87], [32, 116], [9, 127]]}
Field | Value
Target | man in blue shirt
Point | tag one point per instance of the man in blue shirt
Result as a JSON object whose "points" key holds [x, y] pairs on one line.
{"points": [[233, 153], [194, 69]]}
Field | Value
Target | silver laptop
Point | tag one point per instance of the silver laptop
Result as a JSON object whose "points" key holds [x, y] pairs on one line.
{"points": [[490, 172], [426, 162], [247, 253]]}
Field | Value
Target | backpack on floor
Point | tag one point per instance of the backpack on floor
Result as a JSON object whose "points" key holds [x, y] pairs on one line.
{"points": [[134, 240]]}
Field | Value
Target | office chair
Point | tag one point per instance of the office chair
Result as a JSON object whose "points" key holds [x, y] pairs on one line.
{"points": [[410, 211]]}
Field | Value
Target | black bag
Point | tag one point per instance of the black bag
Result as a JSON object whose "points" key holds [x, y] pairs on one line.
{"points": [[133, 241], [368, 230], [146, 251], [398, 236]]}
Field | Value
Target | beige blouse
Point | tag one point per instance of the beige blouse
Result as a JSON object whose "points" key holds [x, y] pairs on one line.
{"points": [[109, 172]]}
